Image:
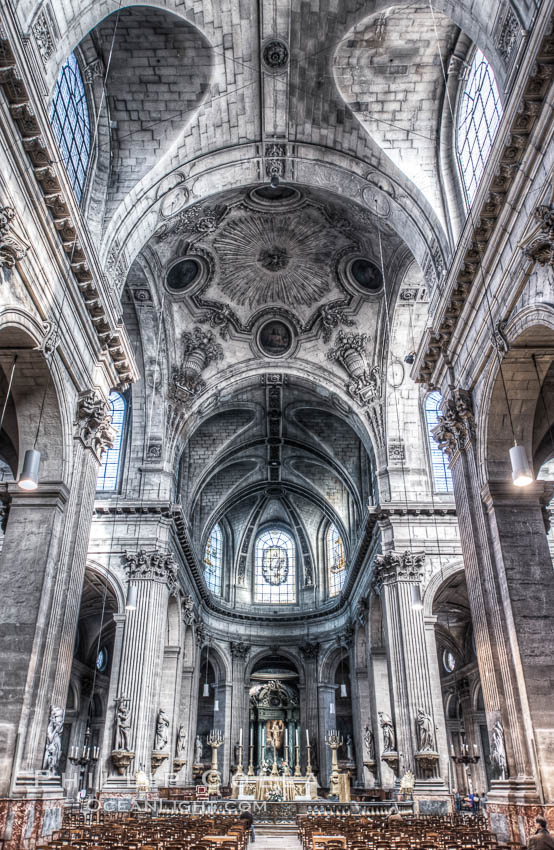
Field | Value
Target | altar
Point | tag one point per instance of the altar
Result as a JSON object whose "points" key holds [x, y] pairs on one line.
{"points": [[272, 788]]}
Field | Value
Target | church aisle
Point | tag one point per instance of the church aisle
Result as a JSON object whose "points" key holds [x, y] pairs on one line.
{"points": [[276, 841]]}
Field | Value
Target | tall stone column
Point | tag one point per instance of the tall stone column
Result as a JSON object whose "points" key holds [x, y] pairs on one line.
{"points": [[154, 575], [240, 709], [511, 595], [416, 720], [46, 541]]}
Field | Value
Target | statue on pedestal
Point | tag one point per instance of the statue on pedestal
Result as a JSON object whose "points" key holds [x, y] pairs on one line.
{"points": [[198, 750], [53, 749], [425, 731], [349, 748], [389, 738], [162, 728], [181, 741], [123, 724]]}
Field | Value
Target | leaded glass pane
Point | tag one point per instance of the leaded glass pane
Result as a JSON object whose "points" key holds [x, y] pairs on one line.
{"points": [[108, 474], [336, 563], [442, 476], [213, 560], [71, 125], [275, 568]]}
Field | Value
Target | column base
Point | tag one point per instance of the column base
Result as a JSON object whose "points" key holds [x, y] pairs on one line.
{"points": [[513, 805], [26, 822]]}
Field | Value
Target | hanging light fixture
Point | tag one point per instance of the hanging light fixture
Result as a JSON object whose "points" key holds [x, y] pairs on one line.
{"points": [[28, 480], [417, 601], [131, 602], [343, 691], [206, 688], [522, 474]]}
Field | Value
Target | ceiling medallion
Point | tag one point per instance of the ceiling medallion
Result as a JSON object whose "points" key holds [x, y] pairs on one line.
{"points": [[283, 259], [275, 338], [275, 54]]}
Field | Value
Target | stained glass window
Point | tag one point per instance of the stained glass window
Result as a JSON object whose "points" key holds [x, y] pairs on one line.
{"points": [[213, 560], [336, 564], [442, 477], [275, 568], [71, 124], [479, 115], [108, 474]]}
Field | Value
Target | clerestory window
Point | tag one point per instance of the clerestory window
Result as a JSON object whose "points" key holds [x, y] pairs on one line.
{"points": [[70, 121], [275, 568]]}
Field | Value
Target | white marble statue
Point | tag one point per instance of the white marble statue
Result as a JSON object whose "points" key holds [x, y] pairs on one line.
{"points": [[389, 738], [198, 750], [53, 749], [425, 731], [162, 729]]}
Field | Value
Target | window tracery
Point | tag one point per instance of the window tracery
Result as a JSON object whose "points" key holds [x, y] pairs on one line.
{"points": [[479, 115], [442, 477], [70, 122], [108, 474], [275, 568], [336, 563], [213, 560]]}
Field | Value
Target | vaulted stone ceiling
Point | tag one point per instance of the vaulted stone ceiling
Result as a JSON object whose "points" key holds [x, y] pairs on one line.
{"points": [[339, 95], [277, 450]]}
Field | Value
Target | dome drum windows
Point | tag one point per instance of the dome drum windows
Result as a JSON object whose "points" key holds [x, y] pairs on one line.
{"points": [[275, 568], [109, 472], [479, 115], [336, 563], [213, 561], [69, 117]]}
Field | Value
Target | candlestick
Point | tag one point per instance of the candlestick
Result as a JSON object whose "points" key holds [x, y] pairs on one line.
{"points": [[307, 738], [297, 738], [240, 736]]}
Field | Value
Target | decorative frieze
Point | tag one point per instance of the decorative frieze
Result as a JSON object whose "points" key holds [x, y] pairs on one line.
{"points": [[94, 423], [12, 248], [456, 425], [399, 566], [152, 566]]}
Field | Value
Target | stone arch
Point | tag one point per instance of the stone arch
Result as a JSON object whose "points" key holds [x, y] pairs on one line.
{"points": [[266, 652], [36, 414], [112, 580], [533, 328], [332, 660], [437, 581]]}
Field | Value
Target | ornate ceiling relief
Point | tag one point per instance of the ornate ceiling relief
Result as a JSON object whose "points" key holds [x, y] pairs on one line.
{"points": [[285, 259]]}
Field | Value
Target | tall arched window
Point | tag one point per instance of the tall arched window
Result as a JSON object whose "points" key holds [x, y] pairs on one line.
{"points": [[275, 568], [479, 114], [108, 474], [336, 563], [71, 124], [442, 477], [213, 560]]}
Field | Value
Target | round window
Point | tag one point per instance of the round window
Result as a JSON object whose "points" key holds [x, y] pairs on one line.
{"points": [[449, 661], [183, 274], [366, 274], [102, 660]]}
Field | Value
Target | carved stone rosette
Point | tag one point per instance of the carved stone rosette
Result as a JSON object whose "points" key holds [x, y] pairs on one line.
{"points": [[398, 566], [152, 566], [456, 425], [94, 423]]}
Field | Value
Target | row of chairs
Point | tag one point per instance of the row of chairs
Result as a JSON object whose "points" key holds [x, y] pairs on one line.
{"points": [[400, 832], [165, 833]]}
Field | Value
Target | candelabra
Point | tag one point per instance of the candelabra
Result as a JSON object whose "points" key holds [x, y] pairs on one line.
{"points": [[297, 770], [84, 757], [214, 740], [464, 757], [334, 740], [251, 761]]}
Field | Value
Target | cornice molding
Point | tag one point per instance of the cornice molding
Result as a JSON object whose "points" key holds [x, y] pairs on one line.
{"points": [[43, 159], [482, 224]]}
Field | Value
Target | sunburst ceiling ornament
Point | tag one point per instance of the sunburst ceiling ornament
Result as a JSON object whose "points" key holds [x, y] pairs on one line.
{"points": [[286, 258]]}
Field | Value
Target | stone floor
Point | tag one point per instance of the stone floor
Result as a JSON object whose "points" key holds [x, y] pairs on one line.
{"points": [[286, 841], [273, 838]]}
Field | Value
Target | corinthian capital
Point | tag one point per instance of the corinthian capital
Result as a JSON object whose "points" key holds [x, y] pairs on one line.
{"points": [[94, 423], [152, 566], [398, 566], [12, 247], [457, 423]]}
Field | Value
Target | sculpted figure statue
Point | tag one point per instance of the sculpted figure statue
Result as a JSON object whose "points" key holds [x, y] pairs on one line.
{"points": [[389, 738], [425, 731], [198, 750], [498, 752], [53, 749], [181, 741], [162, 728], [349, 748], [123, 723], [369, 742]]}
